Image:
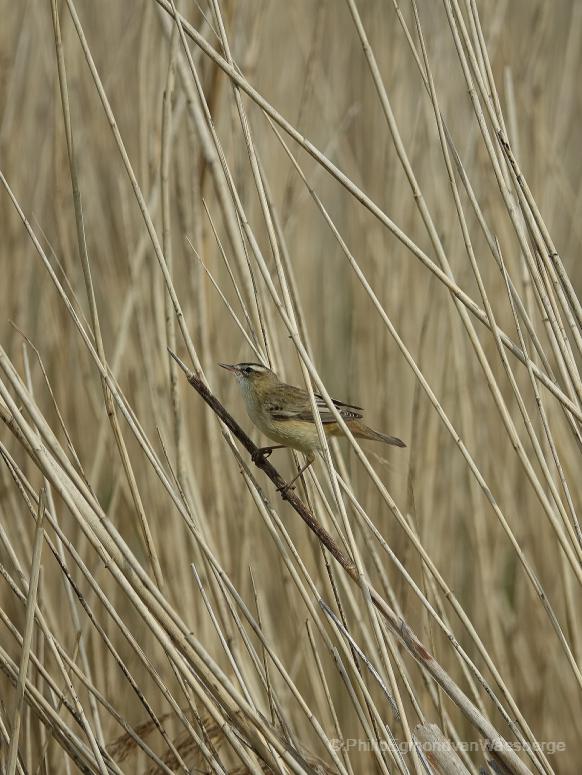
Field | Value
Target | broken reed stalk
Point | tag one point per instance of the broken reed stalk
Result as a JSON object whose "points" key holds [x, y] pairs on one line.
{"points": [[397, 625]]}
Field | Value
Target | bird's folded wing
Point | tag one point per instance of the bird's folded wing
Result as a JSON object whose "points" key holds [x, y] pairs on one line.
{"points": [[292, 403]]}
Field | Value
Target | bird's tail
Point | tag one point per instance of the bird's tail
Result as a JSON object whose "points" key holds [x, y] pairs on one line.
{"points": [[362, 431]]}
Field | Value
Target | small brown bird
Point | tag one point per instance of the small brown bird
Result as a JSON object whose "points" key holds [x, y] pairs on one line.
{"points": [[283, 413]]}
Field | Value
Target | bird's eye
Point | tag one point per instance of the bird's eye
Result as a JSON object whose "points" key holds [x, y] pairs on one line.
{"points": [[247, 370]]}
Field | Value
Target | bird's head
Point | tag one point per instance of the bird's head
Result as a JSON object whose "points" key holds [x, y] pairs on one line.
{"points": [[251, 375]]}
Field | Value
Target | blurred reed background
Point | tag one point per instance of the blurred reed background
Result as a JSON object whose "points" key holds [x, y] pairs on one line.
{"points": [[162, 608]]}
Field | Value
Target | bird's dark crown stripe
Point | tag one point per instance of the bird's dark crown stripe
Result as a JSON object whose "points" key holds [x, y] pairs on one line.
{"points": [[253, 366]]}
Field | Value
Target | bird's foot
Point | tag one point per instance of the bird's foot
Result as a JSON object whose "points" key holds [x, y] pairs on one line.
{"points": [[261, 453], [285, 488]]}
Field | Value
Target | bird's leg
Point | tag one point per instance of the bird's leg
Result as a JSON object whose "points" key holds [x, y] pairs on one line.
{"points": [[310, 458], [264, 452]]}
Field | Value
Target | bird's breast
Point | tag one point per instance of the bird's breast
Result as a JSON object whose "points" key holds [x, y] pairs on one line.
{"points": [[297, 434]]}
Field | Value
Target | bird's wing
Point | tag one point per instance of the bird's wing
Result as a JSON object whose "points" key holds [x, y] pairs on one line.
{"points": [[292, 403]]}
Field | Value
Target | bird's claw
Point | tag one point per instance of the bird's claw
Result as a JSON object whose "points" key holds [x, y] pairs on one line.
{"points": [[284, 488], [262, 453]]}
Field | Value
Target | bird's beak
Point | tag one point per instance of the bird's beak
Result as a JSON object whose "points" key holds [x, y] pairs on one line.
{"points": [[228, 366]]}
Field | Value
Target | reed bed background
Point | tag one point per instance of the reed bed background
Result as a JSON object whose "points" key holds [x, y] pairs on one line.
{"points": [[381, 200]]}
